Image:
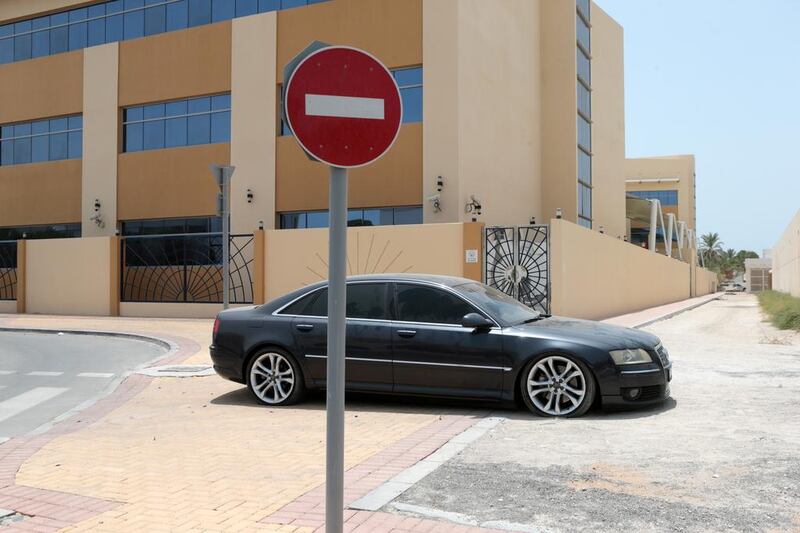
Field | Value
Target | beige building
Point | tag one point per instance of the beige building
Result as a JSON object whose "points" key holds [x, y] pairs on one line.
{"points": [[119, 108], [786, 259], [669, 179]]}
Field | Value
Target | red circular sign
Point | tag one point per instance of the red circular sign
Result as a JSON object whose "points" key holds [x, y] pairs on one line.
{"points": [[343, 106]]}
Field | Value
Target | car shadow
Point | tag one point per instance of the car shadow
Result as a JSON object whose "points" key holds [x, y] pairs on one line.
{"points": [[364, 402]]}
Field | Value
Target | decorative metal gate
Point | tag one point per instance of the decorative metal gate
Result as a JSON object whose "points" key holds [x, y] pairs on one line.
{"points": [[8, 270], [517, 263]]}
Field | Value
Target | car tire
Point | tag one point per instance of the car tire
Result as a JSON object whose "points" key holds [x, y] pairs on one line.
{"points": [[275, 378], [558, 386]]}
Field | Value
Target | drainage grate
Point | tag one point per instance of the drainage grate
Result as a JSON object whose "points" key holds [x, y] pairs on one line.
{"points": [[8, 517], [178, 371]]}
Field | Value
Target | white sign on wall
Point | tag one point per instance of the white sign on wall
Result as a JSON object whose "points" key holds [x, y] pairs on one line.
{"points": [[471, 256]]}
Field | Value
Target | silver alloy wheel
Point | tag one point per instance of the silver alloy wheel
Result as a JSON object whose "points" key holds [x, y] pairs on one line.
{"points": [[272, 378], [556, 385]]}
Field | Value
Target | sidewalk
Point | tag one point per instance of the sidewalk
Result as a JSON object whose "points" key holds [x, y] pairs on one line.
{"points": [[197, 454]]}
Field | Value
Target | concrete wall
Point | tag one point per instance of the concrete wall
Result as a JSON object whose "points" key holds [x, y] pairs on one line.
{"points": [[786, 259], [100, 138], [70, 276], [253, 120], [598, 276], [705, 282], [296, 258]]}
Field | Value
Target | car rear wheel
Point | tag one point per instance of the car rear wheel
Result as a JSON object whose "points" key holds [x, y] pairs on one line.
{"points": [[274, 378], [557, 386]]}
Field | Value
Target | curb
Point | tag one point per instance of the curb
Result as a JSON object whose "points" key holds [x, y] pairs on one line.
{"points": [[671, 314], [169, 346]]}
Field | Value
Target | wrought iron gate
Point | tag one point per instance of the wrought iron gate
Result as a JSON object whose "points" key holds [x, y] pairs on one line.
{"points": [[517, 263]]}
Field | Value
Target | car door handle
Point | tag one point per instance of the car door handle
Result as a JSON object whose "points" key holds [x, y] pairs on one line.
{"points": [[406, 332], [305, 327]]}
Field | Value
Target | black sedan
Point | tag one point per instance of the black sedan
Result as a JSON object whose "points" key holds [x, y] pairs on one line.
{"points": [[439, 336]]}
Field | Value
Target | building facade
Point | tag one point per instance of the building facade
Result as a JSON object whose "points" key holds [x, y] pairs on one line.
{"points": [[786, 259], [671, 181], [114, 110]]}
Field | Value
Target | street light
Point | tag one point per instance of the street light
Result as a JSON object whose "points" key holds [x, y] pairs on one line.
{"points": [[222, 175]]}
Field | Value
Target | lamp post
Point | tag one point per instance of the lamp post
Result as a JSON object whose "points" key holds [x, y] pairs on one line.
{"points": [[222, 175]]}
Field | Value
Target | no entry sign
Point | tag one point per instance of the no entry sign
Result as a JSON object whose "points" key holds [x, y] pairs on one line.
{"points": [[343, 106]]}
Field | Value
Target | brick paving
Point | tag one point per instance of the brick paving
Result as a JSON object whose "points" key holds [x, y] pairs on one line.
{"points": [[197, 454]]}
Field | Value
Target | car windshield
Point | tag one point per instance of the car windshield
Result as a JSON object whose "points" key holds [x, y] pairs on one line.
{"points": [[501, 306]]}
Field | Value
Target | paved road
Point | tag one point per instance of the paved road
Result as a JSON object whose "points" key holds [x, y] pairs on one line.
{"points": [[43, 376], [722, 456]]}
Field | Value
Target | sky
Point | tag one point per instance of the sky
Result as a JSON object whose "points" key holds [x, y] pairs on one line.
{"points": [[720, 80]]}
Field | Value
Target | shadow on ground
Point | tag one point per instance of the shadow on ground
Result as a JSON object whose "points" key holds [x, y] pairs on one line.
{"points": [[315, 401]]}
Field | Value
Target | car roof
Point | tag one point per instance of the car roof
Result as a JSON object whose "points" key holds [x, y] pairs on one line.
{"points": [[449, 281]]}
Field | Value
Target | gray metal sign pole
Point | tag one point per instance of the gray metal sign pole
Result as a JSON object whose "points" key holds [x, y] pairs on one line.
{"points": [[337, 324], [223, 176]]}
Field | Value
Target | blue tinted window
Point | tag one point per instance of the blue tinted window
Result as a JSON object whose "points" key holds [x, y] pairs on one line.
{"points": [[22, 150], [59, 146], [155, 19], [6, 50], [199, 129], [40, 148], [153, 135], [268, 5], [355, 217], [221, 127], [178, 15], [223, 10], [134, 20], [41, 126], [246, 7], [199, 12], [59, 124], [175, 132], [408, 76], [75, 123], [116, 20], [412, 104], [7, 153], [184, 122], [133, 137], [75, 145]]}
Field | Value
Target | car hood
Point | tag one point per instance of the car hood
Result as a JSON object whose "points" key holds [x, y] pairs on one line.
{"points": [[598, 334]]}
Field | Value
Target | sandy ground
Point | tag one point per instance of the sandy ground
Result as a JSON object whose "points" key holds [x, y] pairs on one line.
{"points": [[722, 455]]}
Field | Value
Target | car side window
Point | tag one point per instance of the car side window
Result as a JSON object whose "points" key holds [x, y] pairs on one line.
{"points": [[417, 303], [367, 300], [364, 300], [303, 305]]}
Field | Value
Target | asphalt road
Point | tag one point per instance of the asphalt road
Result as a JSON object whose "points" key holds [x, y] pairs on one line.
{"points": [[44, 376], [721, 456]]}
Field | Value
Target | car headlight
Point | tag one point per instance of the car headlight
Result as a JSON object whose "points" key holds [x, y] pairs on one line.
{"points": [[630, 357]]}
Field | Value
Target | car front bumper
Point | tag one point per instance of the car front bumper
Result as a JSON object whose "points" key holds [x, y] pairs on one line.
{"points": [[641, 387]]}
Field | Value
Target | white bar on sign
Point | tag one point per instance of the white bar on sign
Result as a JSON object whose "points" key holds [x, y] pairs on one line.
{"points": [[324, 105], [26, 400]]}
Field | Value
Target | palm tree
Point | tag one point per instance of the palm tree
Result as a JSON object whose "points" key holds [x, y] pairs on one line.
{"points": [[711, 248]]}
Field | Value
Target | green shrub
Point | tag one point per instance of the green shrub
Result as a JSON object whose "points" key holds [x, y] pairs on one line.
{"points": [[782, 309]]}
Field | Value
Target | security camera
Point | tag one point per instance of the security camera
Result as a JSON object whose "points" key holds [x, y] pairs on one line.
{"points": [[96, 206], [249, 196], [436, 201], [439, 184], [473, 206]]}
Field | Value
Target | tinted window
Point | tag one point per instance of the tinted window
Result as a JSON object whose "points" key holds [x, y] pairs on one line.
{"points": [[367, 300], [504, 308], [416, 303], [300, 307]]}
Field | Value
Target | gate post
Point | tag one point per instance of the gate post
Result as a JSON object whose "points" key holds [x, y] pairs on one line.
{"points": [[21, 262], [114, 275], [472, 243], [259, 260]]}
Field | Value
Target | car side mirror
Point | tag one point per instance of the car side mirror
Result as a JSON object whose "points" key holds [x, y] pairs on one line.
{"points": [[476, 321]]}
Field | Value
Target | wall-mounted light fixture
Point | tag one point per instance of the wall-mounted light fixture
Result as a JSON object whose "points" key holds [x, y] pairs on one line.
{"points": [[439, 184], [249, 196], [532, 221], [559, 212], [602, 229], [260, 224], [97, 218]]}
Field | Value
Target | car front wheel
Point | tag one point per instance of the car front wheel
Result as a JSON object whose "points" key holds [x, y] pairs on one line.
{"points": [[557, 386], [274, 378]]}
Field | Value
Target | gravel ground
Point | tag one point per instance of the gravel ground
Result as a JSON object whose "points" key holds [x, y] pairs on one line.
{"points": [[722, 455]]}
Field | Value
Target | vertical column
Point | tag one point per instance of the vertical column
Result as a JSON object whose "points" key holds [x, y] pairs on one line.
{"points": [[253, 121], [473, 250], [114, 275], [101, 126], [259, 266], [21, 266]]}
